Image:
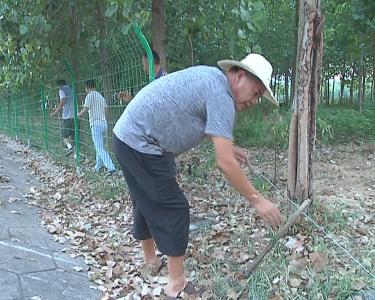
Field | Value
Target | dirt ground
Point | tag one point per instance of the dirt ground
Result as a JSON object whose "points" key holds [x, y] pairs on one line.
{"points": [[343, 174], [226, 234]]}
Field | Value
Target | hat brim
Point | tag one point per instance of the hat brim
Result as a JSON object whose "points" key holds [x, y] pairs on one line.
{"points": [[226, 64]]}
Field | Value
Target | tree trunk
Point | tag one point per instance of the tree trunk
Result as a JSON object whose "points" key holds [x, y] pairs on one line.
{"points": [[342, 87], [191, 49], [322, 93], [306, 95], [277, 89], [158, 30], [104, 57], [360, 77], [286, 87], [274, 84], [295, 49], [363, 95], [327, 84], [75, 47], [333, 90], [373, 71], [351, 91]]}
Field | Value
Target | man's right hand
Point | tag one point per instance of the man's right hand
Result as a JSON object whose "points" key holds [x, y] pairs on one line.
{"points": [[124, 96], [268, 211]]}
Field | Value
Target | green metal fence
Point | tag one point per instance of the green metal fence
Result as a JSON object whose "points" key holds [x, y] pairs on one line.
{"points": [[115, 67]]}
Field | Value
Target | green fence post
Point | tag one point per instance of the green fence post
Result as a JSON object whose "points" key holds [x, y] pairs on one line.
{"points": [[45, 120], [16, 121], [27, 125], [13, 115], [76, 131], [147, 48], [9, 116]]}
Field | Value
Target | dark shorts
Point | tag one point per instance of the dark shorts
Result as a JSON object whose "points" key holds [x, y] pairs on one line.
{"points": [[161, 210], [67, 128]]}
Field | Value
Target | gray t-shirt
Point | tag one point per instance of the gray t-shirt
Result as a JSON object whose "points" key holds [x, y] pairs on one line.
{"points": [[96, 104], [66, 93], [176, 112]]}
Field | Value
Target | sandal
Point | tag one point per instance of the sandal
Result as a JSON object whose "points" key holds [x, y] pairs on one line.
{"points": [[148, 269], [189, 292]]}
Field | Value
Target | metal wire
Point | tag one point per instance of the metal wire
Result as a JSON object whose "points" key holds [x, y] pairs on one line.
{"points": [[327, 234]]}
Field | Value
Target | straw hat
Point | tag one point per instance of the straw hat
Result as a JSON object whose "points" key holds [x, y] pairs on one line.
{"points": [[257, 65]]}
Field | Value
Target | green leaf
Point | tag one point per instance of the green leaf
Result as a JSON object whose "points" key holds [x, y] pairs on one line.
{"points": [[125, 12], [257, 49], [250, 26], [235, 11], [47, 51], [258, 5], [110, 11], [47, 27], [125, 28], [23, 29], [241, 34], [245, 14], [29, 47]]}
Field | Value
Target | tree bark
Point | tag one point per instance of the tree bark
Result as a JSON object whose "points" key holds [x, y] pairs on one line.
{"points": [[275, 82], [191, 49], [104, 57], [286, 75], [360, 77], [333, 90], [342, 87], [158, 30], [305, 100], [295, 48], [277, 89], [363, 95], [75, 46], [351, 91], [327, 84], [322, 93], [373, 71]]}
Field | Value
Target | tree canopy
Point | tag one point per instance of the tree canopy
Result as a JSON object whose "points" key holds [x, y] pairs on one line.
{"points": [[35, 37]]}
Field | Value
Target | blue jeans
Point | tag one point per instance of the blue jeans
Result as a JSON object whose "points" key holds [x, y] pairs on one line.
{"points": [[99, 132]]}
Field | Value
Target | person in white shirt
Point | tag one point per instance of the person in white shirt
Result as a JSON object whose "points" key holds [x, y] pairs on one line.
{"points": [[95, 105], [66, 104]]}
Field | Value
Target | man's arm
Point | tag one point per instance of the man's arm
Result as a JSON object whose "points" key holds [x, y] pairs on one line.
{"points": [[227, 162], [58, 108], [84, 110]]}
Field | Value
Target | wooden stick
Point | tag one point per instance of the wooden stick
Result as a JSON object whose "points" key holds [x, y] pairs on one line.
{"points": [[250, 267]]}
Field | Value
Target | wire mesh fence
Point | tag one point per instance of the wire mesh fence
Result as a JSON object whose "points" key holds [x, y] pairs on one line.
{"points": [[73, 120]]}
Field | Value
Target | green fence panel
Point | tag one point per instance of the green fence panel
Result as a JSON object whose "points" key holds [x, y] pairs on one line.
{"points": [[115, 66]]}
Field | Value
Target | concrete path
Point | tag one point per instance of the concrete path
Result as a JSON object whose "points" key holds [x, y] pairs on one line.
{"points": [[31, 263]]}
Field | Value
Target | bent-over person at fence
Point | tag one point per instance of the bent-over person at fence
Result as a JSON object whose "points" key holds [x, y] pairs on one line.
{"points": [[66, 104], [158, 69], [169, 117], [95, 104]]}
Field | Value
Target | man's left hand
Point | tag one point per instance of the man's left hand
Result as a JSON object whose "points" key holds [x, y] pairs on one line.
{"points": [[240, 155]]}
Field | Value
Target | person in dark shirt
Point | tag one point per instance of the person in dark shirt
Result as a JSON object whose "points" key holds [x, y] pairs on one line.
{"points": [[158, 69]]}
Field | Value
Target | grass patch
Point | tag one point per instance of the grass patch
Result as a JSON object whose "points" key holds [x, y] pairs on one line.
{"points": [[104, 186], [267, 126]]}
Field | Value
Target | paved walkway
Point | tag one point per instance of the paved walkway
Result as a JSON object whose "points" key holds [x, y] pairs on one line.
{"points": [[31, 263]]}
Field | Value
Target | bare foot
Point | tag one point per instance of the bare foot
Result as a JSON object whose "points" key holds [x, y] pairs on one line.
{"points": [[151, 268], [174, 287]]}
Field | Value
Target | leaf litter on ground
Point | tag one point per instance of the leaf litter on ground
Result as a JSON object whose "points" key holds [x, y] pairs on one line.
{"points": [[226, 232]]}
